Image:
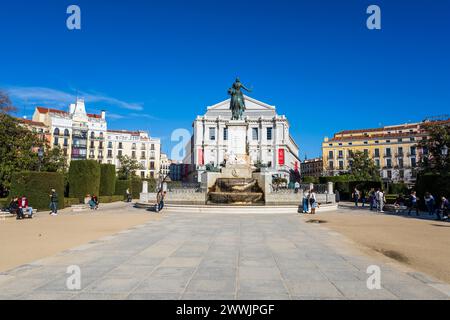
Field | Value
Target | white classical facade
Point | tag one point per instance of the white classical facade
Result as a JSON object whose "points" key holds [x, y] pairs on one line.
{"points": [[264, 135], [83, 135]]}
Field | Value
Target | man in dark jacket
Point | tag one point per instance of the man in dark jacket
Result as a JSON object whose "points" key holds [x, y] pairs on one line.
{"points": [[54, 203]]}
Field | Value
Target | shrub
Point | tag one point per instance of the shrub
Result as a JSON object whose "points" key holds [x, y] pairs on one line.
{"points": [[68, 202], [121, 187], [136, 187], [84, 178], [436, 184], [398, 188], [314, 180], [107, 179], [109, 199], [36, 186], [4, 202]]}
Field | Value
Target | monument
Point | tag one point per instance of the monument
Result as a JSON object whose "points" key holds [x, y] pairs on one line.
{"points": [[235, 183]]}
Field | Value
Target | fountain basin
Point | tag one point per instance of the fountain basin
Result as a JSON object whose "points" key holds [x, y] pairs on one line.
{"points": [[236, 197]]}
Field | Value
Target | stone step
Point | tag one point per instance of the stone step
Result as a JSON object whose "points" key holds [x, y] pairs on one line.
{"points": [[241, 209]]}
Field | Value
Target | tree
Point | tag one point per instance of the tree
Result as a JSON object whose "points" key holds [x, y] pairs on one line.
{"points": [[5, 103], [128, 167], [54, 160], [363, 168], [435, 155], [18, 147]]}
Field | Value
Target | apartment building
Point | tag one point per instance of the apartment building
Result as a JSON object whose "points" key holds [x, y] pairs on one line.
{"points": [[312, 167], [393, 148], [137, 145], [82, 135]]}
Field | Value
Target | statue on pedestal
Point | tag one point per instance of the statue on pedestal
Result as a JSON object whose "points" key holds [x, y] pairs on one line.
{"points": [[237, 103]]}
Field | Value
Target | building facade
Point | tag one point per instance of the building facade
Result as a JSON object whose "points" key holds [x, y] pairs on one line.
{"points": [[267, 137], [82, 135], [393, 149], [165, 165], [312, 167], [137, 145]]}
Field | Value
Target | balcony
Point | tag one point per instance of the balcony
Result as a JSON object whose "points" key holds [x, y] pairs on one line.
{"points": [[387, 155], [399, 155]]}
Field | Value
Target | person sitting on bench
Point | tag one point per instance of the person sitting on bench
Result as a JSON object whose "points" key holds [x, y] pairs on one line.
{"points": [[14, 208], [23, 207]]}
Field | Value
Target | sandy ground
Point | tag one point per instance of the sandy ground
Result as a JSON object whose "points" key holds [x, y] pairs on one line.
{"points": [[423, 245], [28, 240]]}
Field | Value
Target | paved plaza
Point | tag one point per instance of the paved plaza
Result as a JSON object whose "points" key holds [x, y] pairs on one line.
{"points": [[190, 255]]}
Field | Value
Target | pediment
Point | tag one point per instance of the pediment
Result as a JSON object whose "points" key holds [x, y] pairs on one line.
{"points": [[250, 104]]}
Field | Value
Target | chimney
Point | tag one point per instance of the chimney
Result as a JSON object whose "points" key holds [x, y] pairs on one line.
{"points": [[103, 114]]}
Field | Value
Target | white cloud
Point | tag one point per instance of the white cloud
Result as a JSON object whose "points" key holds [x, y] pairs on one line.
{"points": [[56, 98]]}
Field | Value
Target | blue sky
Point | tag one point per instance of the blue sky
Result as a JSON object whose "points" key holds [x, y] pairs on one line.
{"points": [[155, 65]]}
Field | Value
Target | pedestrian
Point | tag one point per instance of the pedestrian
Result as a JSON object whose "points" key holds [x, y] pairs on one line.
{"points": [[14, 208], [377, 199], [54, 203], [413, 203], [356, 196], [429, 203], [372, 199], [161, 203], [296, 186], [444, 208], [128, 194], [313, 201], [381, 200], [305, 201], [24, 207]]}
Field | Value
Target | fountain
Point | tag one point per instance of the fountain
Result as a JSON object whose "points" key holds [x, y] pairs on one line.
{"points": [[242, 191]]}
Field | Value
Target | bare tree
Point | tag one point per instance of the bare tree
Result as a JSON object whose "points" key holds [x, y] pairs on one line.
{"points": [[6, 105]]}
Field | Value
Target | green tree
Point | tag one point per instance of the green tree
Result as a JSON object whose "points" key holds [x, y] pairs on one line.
{"points": [[363, 168], [128, 167], [436, 159], [18, 147], [54, 160]]}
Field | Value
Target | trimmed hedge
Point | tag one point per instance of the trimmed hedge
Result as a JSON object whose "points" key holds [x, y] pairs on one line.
{"points": [[136, 187], [4, 202], [84, 178], [36, 186], [68, 202], [436, 184], [109, 199], [121, 187], [314, 180], [107, 179]]}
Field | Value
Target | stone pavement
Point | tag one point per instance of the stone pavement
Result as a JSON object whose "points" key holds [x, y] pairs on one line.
{"points": [[217, 256]]}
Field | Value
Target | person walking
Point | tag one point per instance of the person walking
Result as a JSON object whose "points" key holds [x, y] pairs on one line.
{"points": [[305, 201], [381, 201], [413, 203], [429, 203], [444, 208], [128, 195], [356, 196], [372, 199], [54, 203], [161, 202], [313, 201], [377, 199]]}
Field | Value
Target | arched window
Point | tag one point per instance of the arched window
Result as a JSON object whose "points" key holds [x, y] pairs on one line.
{"points": [[56, 132], [66, 132]]}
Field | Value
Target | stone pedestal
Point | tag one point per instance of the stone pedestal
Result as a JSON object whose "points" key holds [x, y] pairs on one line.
{"points": [[237, 138]]}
